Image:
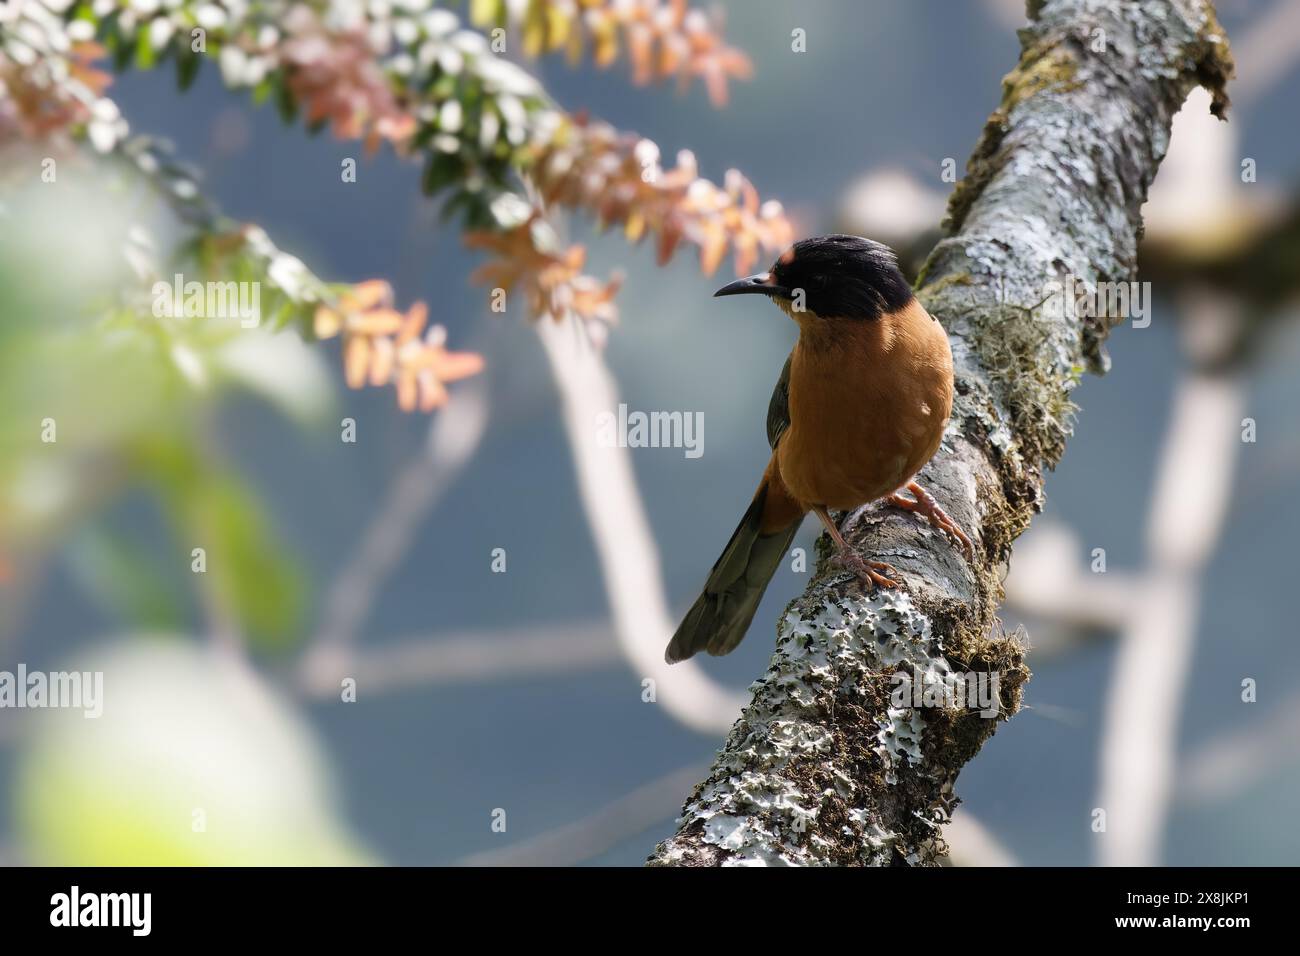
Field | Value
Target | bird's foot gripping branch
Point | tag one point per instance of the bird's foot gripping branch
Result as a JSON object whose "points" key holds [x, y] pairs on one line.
{"points": [[849, 750]]}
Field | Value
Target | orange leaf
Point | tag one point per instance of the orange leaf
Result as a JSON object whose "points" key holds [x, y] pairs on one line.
{"points": [[640, 49], [356, 360], [746, 254], [368, 294], [376, 322], [326, 322], [432, 393], [413, 325], [668, 240], [407, 393], [453, 366], [383, 362], [712, 249]]}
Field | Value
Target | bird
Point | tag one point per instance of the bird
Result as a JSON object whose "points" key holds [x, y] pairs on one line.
{"points": [[859, 409]]}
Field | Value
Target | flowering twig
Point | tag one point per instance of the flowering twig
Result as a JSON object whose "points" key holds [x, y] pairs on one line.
{"points": [[50, 92], [409, 75], [663, 38], [382, 345]]}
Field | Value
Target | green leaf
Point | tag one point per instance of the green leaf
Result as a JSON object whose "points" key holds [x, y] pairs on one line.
{"points": [[263, 90], [187, 67], [284, 102], [444, 87], [442, 170], [285, 313], [121, 47], [250, 572], [145, 57]]}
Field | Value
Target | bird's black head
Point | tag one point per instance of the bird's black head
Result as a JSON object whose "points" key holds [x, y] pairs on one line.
{"points": [[832, 277]]}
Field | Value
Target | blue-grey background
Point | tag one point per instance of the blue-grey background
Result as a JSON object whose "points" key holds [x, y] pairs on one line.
{"points": [[882, 84]]}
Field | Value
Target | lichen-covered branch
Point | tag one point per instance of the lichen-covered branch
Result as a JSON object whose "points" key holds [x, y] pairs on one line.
{"points": [[832, 761]]}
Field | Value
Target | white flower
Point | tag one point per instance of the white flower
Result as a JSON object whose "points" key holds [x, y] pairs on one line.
{"points": [[450, 117], [450, 60], [287, 272], [509, 210], [504, 76], [160, 31], [234, 65], [210, 17], [512, 111], [489, 129], [470, 43], [105, 110], [345, 15], [405, 30], [438, 23], [258, 241], [20, 52], [255, 72], [646, 152], [80, 31]]}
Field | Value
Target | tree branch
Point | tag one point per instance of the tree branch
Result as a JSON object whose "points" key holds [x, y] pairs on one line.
{"points": [[824, 767]]}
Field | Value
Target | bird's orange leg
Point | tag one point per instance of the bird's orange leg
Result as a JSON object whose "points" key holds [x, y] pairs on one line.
{"points": [[871, 573], [929, 509]]}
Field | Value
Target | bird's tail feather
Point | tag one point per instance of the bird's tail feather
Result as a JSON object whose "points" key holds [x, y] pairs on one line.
{"points": [[718, 619]]}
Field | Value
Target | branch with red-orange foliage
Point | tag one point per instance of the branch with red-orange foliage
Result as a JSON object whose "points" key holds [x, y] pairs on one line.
{"points": [[550, 278], [335, 74], [592, 167], [56, 94], [35, 107], [617, 176], [382, 345], [413, 78], [664, 38]]}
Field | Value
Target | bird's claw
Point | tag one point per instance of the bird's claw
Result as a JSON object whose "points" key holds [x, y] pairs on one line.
{"points": [[870, 573], [940, 521], [929, 509]]}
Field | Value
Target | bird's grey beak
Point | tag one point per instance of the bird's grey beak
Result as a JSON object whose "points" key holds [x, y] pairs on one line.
{"points": [[760, 284]]}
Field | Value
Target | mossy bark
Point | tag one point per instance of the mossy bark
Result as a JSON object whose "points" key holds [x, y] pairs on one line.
{"points": [[824, 765]]}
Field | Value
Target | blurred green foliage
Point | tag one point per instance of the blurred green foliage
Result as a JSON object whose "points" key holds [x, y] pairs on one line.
{"points": [[100, 398]]}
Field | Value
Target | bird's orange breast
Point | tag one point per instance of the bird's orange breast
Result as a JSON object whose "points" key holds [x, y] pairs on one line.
{"points": [[869, 401]]}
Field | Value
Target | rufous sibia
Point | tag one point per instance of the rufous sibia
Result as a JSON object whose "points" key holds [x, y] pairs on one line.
{"points": [[860, 407]]}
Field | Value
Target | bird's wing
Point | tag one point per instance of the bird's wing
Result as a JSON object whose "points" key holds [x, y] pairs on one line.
{"points": [[778, 409]]}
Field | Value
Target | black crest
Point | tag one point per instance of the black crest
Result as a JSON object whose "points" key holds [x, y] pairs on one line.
{"points": [[843, 277]]}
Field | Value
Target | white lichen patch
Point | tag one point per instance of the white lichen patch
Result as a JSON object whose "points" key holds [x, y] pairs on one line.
{"points": [[832, 649], [900, 736]]}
